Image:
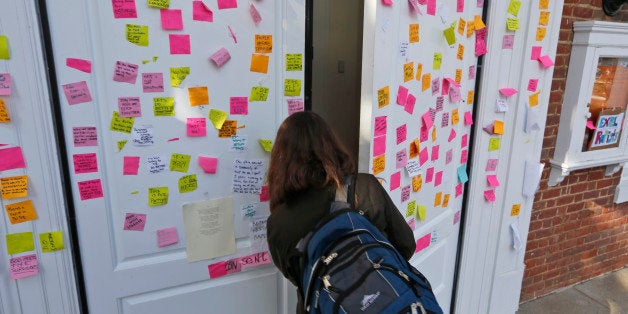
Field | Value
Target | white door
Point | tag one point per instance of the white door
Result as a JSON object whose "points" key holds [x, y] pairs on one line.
{"points": [[143, 249], [418, 80]]}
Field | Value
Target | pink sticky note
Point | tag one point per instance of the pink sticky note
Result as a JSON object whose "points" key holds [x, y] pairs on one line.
{"points": [[200, 12], [464, 155], [480, 3], [590, 125], [124, 9], [424, 134], [171, 19], [134, 222], [536, 52], [405, 193], [454, 94], [79, 64], [153, 82], [395, 180], [227, 4], [460, 6], [387, 2], [11, 158], [435, 152], [85, 163], [264, 195], [435, 85], [508, 41], [438, 179], [239, 105], [468, 118], [255, 259], [410, 102], [233, 35], [423, 242], [452, 135], [5, 84], [295, 105], [429, 175], [209, 164], [402, 132], [179, 44], [459, 189], [471, 72], [220, 57], [196, 127], [77, 93], [23, 266], [90, 189], [465, 140], [492, 180], [449, 156], [412, 224], [129, 107], [491, 164], [380, 126], [431, 7], [401, 158], [507, 91], [167, 236], [532, 85], [456, 217], [85, 136], [402, 95], [257, 18], [427, 120], [423, 156], [379, 145], [489, 195], [223, 268], [546, 61], [125, 72], [131, 165]]}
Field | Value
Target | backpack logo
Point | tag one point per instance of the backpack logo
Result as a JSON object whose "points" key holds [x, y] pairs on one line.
{"points": [[368, 300]]}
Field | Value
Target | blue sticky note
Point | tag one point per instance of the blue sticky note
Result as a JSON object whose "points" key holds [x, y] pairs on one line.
{"points": [[462, 174]]}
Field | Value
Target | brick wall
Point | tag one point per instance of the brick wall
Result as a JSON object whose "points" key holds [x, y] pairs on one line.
{"points": [[576, 231]]}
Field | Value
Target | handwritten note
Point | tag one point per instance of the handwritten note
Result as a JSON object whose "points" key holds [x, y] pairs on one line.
{"points": [[292, 87], [4, 113], [77, 93], [85, 163], [229, 128], [85, 136], [295, 105], [379, 164], [142, 135], [123, 9], [137, 34], [21, 211], [163, 106], [259, 93], [177, 75], [238, 105], [120, 124], [157, 196], [125, 72], [167, 236], [156, 164], [294, 62], [162, 4], [196, 127], [152, 82], [248, 176], [188, 183], [14, 187], [11, 158], [180, 162], [134, 222], [90, 189], [383, 97], [5, 84], [263, 43], [23, 266], [51, 241], [257, 18]]}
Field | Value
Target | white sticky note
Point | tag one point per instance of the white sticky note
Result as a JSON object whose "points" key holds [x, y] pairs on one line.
{"points": [[532, 177]]}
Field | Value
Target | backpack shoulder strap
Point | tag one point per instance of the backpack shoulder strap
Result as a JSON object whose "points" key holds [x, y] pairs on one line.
{"points": [[345, 195]]}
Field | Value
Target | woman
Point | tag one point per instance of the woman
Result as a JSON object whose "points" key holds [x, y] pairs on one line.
{"points": [[308, 163]]}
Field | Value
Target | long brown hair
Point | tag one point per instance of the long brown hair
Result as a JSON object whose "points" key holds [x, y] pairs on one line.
{"points": [[306, 154]]}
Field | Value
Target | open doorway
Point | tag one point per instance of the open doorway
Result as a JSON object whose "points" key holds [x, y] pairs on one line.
{"points": [[335, 29]]}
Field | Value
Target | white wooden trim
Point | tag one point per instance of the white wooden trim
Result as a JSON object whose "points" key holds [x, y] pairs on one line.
{"points": [[366, 104]]}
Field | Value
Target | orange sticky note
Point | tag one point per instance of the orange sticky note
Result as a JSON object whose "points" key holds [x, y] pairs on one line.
{"points": [[259, 63], [534, 99], [21, 212], [446, 200], [379, 164], [544, 18], [478, 23], [383, 97], [461, 25], [470, 28], [498, 127], [229, 128], [419, 71], [4, 114], [198, 96], [415, 147], [460, 54], [263, 43], [417, 183], [455, 117], [438, 199], [540, 33], [434, 134], [516, 209], [543, 4], [14, 187], [414, 33], [426, 82], [470, 96], [458, 77], [408, 71]]}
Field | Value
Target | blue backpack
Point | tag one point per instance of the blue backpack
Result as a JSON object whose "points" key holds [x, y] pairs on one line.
{"points": [[348, 266]]}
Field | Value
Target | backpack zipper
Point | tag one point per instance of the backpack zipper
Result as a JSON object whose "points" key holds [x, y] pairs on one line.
{"points": [[415, 305]]}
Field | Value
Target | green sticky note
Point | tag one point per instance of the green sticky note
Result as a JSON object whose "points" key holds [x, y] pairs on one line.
{"points": [[513, 7], [121, 124], [158, 196], [187, 183], [4, 48], [137, 34], [410, 208], [20, 242], [292, 87], [121, 144], [267, 145], [217, 117], [258, 93], [177, 75], [422, 212], [450, 34], [180, 162], [438, 60], [51, 241], [145, 61], [162, 4], [294, 62], [493, 143], [163, 106]]}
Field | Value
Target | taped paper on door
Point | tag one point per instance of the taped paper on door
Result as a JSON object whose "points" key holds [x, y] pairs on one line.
{"points": [[532, 177], [516, 238], [209, 229]]}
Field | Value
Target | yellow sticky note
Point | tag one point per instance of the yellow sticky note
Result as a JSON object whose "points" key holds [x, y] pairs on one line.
{"points": [[198, 96], [258, 93], [470, 28], [434, 134], [188, 183], [267, 145], [379, 164], [162, 4], [137, 34], [163, 106], [426, 82], [180, 162], [408, 71], [534, 99], [438, 198], [458, 77], [383, 97], [438, 60], [135, 192], [259, 63], [229, 128], [460, 53], [177, 75], [414, 33], [540, 33], [410, 208], [455, 117], [498, 127], [20, 242], [493, 143], [21, 212], [446, 200], [121, 124], [544, 18], [263, 43], [516, 209], [4, 114], [158, 196], [422, 212], [543, 4], [512, 23], [14, 187], [461, 25], [294, 62], [121, 144], [419, 71], [470, 96], [217, 117], [155, 58], [514, 6], [478, 23], [450, 34], [292, 87], [145, 61], [417, 183], [4, 48], [51, 241]]}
